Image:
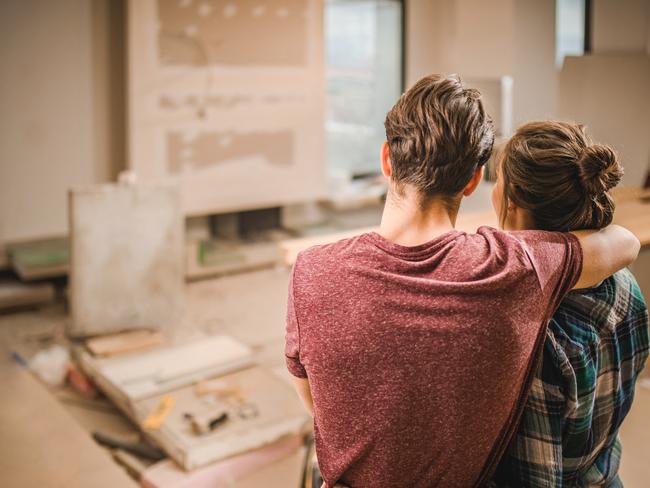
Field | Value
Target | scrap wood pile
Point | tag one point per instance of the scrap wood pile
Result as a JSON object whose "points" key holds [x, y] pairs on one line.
{"points": [[207, 414], [205, 410]]}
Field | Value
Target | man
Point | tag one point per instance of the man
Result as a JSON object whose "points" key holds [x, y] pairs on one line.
{"points": [[414, 346]]}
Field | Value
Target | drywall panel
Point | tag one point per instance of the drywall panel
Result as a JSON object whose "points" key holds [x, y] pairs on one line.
{"points": [[535, 88], [620, 25], [488, 40], [127, 258], [228, 98], [60, 104], [610, 94], [46, 105], [470, 37]]}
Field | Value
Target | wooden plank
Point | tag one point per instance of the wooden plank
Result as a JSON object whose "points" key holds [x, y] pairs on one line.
{"points": [[123, 342], [17, 294]]}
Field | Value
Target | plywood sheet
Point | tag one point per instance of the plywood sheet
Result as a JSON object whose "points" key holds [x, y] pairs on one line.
{"points": [[228, 97], [127, 255]]}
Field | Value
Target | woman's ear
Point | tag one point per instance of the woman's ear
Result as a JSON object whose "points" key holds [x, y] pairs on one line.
{"points": [[518, 218], [386, 167]]}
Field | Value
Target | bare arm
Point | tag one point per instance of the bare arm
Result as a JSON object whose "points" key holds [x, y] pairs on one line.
{"points": [[302, 388], [604, 252]]}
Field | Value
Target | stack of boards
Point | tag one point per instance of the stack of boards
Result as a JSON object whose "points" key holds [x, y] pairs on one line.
{"points": [[139, 382]]}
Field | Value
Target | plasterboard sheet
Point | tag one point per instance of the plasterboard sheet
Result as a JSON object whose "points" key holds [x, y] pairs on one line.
{"points": [[127, 258], [228, 97]]}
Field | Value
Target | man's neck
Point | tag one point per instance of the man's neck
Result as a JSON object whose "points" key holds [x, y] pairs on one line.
{"points": [[405, 223]]}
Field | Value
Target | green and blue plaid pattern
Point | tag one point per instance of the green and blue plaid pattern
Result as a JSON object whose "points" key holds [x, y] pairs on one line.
{"points": [[595, 348]]}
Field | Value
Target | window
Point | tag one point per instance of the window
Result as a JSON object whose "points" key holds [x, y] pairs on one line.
{"points": [[570, 29], [364, 45]]}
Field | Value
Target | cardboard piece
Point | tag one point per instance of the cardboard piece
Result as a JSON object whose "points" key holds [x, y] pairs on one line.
{"points": [[127, 254]]}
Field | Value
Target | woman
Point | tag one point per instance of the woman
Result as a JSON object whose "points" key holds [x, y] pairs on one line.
{"points": [[552, 177]]}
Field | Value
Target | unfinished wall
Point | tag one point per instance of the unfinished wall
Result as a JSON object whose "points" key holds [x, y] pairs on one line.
{"points": [[620, 25], [470, 37], [609, 91], [237, 118], [533, 69], [480, 39], [60, 110]]}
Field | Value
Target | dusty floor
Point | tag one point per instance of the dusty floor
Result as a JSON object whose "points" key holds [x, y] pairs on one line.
{"points": [[251, 307]]}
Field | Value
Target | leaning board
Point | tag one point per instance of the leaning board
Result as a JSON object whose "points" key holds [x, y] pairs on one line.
{"points": [[126, 258]]}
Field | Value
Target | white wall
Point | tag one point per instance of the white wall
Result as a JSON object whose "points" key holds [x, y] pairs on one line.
{"points": [[533, 69], [470, 37], [55, 106], [609, 90], [480, 39], [610, 94]]}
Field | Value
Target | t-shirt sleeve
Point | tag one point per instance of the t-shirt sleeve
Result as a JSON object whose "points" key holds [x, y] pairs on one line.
{"points": [[557, 260], [292, 335]]}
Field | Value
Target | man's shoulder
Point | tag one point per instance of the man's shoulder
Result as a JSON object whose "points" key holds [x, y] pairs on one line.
{"points": [[321, 254]]}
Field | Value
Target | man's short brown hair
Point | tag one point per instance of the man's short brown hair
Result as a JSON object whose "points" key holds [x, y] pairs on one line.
{"points": [[438, 134]]}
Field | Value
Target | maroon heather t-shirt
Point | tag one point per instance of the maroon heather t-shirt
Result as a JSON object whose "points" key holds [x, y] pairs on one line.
{"points": [[418, 357]]}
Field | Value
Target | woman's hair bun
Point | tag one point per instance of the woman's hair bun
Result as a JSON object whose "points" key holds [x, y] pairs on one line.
{"points": [[599, 169]]}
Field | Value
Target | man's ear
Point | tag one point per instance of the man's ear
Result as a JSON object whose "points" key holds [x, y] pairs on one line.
{"points": [[473, 183], [386, 167]]}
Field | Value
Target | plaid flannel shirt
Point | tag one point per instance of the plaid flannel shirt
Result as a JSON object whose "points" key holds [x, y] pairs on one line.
{"points": [[596, 346]]}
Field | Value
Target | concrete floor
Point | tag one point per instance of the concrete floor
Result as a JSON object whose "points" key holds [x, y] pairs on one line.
{"points": [[251, 308]]}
